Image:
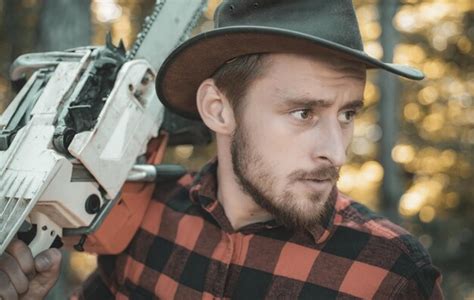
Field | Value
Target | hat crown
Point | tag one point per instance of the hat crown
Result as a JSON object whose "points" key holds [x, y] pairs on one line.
{"points": [[333, 20]]}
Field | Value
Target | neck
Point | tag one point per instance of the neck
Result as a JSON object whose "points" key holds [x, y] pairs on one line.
{"points": [[240, 208]]}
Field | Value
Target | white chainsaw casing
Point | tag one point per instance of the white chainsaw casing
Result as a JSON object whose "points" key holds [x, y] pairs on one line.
{"points": [[38, 183], [30, 164], [129, 119]]}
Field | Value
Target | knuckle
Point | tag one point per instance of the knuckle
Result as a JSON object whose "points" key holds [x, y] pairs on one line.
{"points": [[7, 264], [7, 291], [15, 276], [22, 254], [4, 281], [18, 249], [16, 246]]}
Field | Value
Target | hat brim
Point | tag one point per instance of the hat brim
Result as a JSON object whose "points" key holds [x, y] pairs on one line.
{"points": [[199, 57]]}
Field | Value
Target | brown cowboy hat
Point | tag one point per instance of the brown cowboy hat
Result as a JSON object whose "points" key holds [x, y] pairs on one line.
{"points": [[263, 26]]}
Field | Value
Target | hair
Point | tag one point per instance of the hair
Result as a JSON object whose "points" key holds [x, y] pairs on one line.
{"points": [[235, 77]]}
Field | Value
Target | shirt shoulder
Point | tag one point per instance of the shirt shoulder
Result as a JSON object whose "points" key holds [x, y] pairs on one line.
{"points": [[377, 245], [386, 247], [174, 190], [358, 217]]}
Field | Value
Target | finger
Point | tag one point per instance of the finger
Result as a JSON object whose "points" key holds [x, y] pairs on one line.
{"points": [[48, 264], [7, 291], [23, 256], [9, 266]]}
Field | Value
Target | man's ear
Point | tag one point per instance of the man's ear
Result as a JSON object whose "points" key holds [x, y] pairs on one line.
{"points": [[214, 108]]}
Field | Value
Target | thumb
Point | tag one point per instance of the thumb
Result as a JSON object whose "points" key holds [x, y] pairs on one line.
{"points": [[48, 264]]}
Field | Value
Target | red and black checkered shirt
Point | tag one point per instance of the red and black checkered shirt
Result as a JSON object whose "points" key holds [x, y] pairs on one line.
{"points": [[187, 249]]}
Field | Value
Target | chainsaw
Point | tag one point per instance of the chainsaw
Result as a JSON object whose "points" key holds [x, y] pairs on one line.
{"points": [[81, 144]]}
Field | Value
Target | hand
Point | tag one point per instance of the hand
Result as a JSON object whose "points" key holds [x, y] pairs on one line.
{"points": [[24, 277]]}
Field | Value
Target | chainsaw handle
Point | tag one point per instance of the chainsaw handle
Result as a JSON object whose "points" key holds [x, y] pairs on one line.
{"points": [[46, 233]]}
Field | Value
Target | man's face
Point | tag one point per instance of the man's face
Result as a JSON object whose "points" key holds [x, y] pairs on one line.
{"points": [[293, 132]]}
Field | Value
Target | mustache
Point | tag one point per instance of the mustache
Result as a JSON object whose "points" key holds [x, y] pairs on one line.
{"points": [[323, 173]]}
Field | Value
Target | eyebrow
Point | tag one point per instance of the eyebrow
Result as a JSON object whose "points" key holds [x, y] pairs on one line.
{"points": [[310, 102], [355, 105]]}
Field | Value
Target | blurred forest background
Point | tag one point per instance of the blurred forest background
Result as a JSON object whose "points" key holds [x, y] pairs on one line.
{"points": [[412, 152]]}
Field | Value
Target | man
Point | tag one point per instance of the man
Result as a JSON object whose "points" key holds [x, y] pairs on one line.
{"points": [[279, 82]]}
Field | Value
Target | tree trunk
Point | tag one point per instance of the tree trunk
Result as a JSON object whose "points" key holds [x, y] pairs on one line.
{"points": [[64, 24], [392, 187]]}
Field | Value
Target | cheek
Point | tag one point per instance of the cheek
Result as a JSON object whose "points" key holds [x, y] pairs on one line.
{"points": [[347, 134], [275, 149], [271, 133]]}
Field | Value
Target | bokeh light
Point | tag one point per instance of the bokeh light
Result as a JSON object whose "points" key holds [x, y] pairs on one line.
{"points": [[427, 214], [82, 264], [435, 146], [106, 10], [403, 153]]}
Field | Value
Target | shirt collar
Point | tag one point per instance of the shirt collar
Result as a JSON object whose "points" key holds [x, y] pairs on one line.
{"points": [[204, 192]]}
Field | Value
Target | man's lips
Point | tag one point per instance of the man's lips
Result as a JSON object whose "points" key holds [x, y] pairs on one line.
{"points": [[317, 176], [319, 179], [317, 184]]}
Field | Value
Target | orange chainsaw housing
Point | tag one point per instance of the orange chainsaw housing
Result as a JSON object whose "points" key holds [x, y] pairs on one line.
{"points": [[122, 222]]}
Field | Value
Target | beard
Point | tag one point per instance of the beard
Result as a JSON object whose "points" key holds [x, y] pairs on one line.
{"points": [[257, 180]]}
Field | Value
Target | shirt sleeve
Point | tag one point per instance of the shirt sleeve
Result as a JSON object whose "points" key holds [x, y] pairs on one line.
{"points": [[101, 283], [424, 284]]}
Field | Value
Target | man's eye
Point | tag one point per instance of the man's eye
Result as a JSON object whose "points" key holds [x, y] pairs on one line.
{"points": [[302, 114], [347, 116]]}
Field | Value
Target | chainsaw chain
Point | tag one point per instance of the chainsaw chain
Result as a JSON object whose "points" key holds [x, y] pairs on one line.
{"points": [[145, 28], [193, 22], [151, 19]]}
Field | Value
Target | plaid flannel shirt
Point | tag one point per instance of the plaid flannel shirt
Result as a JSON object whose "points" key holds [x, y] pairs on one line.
{"points": [[187, 249]]}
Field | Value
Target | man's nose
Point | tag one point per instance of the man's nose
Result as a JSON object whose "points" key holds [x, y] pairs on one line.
{"points": [[331, 144]]}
